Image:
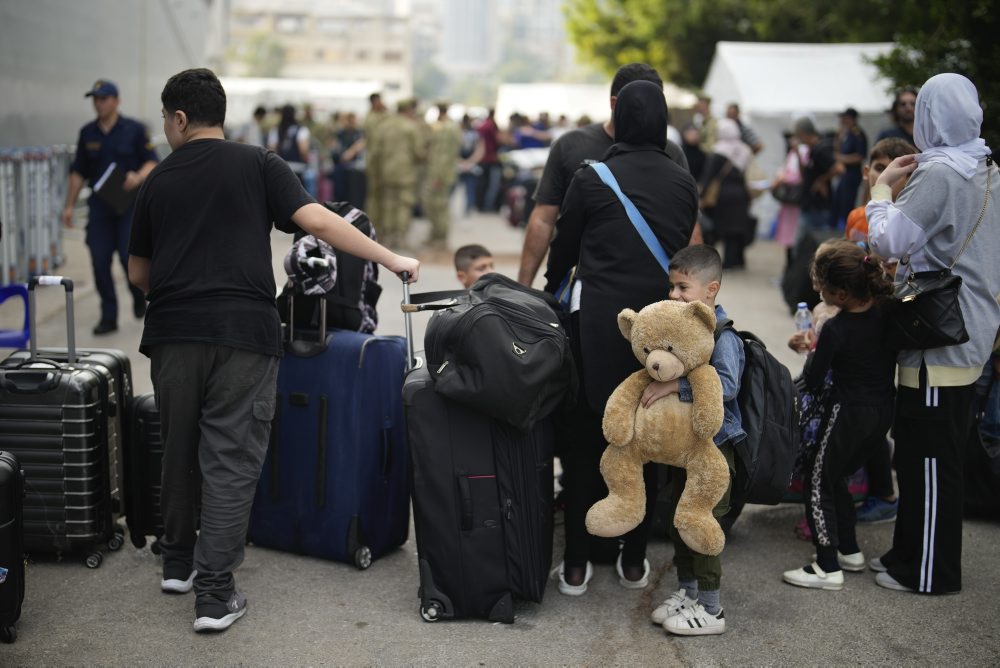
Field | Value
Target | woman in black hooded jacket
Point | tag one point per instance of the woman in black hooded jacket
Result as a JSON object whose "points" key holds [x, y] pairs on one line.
{"points": [[616, 270]]}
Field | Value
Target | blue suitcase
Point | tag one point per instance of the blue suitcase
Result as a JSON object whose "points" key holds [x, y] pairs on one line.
{"points": [[335, 480]]}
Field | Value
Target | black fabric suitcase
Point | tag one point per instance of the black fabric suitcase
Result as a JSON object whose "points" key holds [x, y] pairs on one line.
{"points": [[482, 506], [11, 548], [144, 472], [62, 419]]}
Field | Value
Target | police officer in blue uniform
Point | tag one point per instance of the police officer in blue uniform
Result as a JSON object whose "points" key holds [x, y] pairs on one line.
{"points": [[111, 138]]}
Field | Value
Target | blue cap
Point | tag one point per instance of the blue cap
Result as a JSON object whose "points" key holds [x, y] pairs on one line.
{"points": [[102, 88]]}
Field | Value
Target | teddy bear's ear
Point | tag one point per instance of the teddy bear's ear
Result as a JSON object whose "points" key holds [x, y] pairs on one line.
{"points": [[701, 311], [625, 320]]}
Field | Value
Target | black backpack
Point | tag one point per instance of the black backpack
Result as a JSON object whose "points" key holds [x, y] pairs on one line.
{"points": [[769, 411], [351, 303]]}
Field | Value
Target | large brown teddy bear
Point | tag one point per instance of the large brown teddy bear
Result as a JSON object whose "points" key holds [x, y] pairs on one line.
{"points": [[671, 339]]}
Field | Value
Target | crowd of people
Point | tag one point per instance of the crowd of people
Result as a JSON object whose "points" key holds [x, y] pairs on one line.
{"points": [[925, 204], [212, 333], [348, 160]]}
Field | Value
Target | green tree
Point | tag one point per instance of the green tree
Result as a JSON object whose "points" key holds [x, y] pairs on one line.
{"points": [[678, 37], [429, 82], [263, 55], [942, 36]]}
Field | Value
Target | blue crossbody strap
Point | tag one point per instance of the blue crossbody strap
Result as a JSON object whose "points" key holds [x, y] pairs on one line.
{"points": [[641, 226]]}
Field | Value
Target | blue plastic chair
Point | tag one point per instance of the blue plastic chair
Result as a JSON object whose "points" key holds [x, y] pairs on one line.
{"points": [[15, 338]]}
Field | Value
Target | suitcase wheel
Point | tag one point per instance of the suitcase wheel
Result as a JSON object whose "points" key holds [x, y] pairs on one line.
{"points": [[8, 634], [432, 611], [116, 541], [363, 557], [155, 547], [94, 560]]}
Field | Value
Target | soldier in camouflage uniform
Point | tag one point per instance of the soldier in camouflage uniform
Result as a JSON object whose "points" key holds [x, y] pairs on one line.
{"points": [[442, 162], [401, 149], [376, 115]]}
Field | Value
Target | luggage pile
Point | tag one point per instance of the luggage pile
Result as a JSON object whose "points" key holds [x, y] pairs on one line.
{"points": [[498, 364], [360, 426]]}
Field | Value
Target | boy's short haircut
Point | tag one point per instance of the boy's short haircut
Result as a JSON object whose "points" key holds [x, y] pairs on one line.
{"points": [[891, 148], [466, 255], [702, 260], [199, 94]]}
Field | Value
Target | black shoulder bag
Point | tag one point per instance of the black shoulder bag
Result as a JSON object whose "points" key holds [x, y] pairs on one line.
{"points": [[925, 311]]}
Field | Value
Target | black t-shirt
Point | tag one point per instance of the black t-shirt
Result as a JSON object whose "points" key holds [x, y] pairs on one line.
{"points": [[854, 345], [586, 144], [821, 159], [204, 219]]}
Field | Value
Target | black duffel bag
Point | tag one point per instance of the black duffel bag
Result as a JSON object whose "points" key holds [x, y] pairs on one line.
{"points": [[500, 349]]}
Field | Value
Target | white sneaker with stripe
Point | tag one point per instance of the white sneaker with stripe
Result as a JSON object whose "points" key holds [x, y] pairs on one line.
{"points": [[695, 621]]}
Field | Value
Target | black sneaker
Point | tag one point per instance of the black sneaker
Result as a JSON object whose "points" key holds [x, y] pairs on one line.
{"points": [[105, 327], [178, 578], [214, 614]]}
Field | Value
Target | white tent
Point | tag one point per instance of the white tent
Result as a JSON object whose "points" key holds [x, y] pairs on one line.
{"points": [[573, 100], [776, 83]]}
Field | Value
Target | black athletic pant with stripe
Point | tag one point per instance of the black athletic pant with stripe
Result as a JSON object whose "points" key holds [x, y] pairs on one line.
{"points": [[931, 429], [852, 433]]}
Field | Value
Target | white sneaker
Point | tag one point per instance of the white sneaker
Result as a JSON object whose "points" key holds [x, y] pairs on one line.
{"points": [[670, 607], [818, 579], [176, 585], [632, 584], [855, 563], [574, 590], [875, 563], [885, 580], [695, 621]]}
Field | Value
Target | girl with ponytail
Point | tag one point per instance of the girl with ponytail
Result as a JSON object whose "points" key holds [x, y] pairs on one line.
{"points": [[852, 353]]}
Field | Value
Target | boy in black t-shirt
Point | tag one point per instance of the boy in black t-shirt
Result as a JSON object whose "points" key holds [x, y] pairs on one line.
{"points": [[201, 250]]}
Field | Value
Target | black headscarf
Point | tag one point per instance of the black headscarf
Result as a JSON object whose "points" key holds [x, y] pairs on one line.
{"points": [[640, 118]]}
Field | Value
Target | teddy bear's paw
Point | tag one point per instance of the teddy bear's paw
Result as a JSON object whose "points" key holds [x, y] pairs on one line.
{"points": [[617, 430], [704, 537], [612, 517]]}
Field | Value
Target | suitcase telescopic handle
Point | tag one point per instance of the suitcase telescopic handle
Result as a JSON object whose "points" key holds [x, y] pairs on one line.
{"points": [[407, 321], [67, 284]]}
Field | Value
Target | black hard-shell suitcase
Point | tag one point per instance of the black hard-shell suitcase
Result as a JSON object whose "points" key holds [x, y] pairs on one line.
{"points": [[482, 505], [11, 548], [116, 373], [143, 472], [61, 419]]}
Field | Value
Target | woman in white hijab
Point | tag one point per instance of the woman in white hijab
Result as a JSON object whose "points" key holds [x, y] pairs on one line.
{"points": [[946, 214], [725, 199]]}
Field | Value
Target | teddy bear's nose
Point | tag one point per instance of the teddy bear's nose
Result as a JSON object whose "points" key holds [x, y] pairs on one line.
{"points": [[656, 366]]}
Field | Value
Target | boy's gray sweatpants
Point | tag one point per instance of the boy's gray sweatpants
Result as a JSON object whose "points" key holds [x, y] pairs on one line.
{"points": [[216, 405]]}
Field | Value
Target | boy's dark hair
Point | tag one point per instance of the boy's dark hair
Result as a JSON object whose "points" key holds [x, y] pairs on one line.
{"points": [[700, 259], [626, 74], [843, 265], [891, 148], [199, 94], [466, 255]]}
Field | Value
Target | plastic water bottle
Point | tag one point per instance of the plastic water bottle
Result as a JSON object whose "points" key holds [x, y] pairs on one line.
{"points": [[803, 320]]}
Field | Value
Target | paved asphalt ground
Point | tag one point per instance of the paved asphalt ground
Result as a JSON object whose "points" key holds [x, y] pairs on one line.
{"points": [[305, 611]]}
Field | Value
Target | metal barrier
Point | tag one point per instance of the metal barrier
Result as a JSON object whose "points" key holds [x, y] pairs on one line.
{"points": [[33, 184]]}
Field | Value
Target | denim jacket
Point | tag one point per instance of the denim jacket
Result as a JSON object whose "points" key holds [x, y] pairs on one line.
{"points": [[728, 360]]}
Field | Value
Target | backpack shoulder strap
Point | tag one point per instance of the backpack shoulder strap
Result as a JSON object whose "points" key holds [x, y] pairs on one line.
{"points": [[721, 326]]}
